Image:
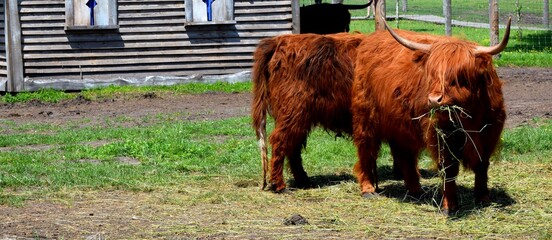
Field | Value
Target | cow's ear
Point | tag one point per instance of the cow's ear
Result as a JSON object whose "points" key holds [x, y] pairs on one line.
{"points": [[483, 59], [491, 82], [419, 57], [483, 63]]}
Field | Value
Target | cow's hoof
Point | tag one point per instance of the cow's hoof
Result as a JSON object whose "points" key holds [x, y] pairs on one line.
{"points": [[369, 195], [449, 212], [276, 188]]}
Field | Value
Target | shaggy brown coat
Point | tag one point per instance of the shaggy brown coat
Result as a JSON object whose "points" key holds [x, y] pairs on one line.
{"points": [[302, 81], [446, 99]]}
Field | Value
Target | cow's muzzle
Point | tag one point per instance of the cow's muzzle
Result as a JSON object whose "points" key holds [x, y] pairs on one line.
{"points": [[435, 100]]}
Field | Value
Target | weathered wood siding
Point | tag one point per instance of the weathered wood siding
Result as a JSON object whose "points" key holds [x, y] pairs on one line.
{"points": [[3, 71], [152, 40]]}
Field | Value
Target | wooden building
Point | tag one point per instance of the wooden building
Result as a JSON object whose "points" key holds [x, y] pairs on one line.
{"points": [[77, 44]]}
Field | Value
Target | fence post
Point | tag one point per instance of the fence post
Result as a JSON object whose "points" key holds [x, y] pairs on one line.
{"points": [[546, 14], [404, 6], [379, 11], [295, 15], [397, 13], [447, 12], [14, 54], [493, 21]]}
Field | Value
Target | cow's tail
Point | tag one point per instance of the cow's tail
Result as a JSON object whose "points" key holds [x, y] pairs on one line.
{"points": [[260, 108]]}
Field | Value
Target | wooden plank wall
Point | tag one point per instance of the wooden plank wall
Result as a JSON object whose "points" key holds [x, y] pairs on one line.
{"points": [[152, 40], [3, 71]]}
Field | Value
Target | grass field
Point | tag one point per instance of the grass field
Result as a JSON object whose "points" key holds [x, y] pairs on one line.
{"points": [[520, 51], [473, 11], [209, 172], [526, 47]]}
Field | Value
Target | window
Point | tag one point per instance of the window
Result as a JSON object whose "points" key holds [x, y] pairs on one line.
{"points": [[205, 12], [90, 14]]}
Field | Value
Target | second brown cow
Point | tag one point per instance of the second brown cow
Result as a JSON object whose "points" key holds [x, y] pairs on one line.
{"points": [[302, 81]]}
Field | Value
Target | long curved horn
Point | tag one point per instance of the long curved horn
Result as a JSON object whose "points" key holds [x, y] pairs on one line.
{"points": [[405, 42], [496, 48]]}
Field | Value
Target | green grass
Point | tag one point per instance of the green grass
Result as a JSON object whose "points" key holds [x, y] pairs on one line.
{"points": [[520, 51], [45, 95], [194, 166], [53, 96], [526, 47], [475, 10], [193, 88], [209, 173], [525, 59], [205, 147], [529, 140]]}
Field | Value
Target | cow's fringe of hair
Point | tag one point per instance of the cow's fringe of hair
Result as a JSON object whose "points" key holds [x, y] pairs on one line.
{"points": [[259, 109]]}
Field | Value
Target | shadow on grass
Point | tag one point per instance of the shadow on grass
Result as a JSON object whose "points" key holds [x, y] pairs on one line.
{"points": [[433, 196], [384, 173], [499, 197]]}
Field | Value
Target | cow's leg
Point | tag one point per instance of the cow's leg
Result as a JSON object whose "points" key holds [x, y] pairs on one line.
{"points": [[296, 145], [296, 163], [406, 160], [449, 166], [479, 163], [397, 169], [277, 139], [288, 139], [365, 168], [367, 143], [481, 191]]}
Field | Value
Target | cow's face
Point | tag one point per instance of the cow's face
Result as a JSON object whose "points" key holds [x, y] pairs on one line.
{"points": [[451, 74], [455, 70]]}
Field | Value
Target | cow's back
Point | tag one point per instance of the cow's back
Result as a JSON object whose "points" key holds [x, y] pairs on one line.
{"points": [[387, 85], [302, 81], [315, 72]]}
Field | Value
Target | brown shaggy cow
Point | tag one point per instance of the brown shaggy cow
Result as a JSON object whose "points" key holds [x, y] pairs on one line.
{"points": [[438, 93], [302, 81]]}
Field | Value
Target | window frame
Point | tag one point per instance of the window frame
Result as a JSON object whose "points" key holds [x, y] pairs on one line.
{"points": [[229, 13], [70, 18]]}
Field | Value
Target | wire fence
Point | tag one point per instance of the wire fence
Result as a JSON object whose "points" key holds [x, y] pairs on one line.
{"points": [[531, 25]]}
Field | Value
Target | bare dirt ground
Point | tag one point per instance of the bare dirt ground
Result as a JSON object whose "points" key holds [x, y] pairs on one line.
{"points": [[528, 94]]}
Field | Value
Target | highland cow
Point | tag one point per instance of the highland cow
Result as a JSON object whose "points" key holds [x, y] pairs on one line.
{"points": [[417, 91]]}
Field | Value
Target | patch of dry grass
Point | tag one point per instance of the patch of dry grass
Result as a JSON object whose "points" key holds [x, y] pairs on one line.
{"points": [[235, 208]]}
